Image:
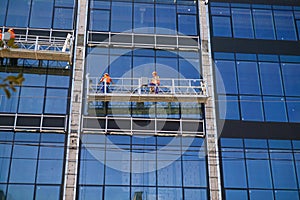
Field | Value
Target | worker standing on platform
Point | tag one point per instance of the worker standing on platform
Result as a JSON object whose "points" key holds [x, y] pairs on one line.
{"points": [[1, 42], [11, 42], [155, 82], [106, 81]]}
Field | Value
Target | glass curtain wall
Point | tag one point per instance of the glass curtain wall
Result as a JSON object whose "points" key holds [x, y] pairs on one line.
{"points": [[258, 87], [31, 165], [255, 21], [260, 168]]}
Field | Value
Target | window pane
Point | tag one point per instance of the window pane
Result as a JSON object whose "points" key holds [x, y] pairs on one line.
{"points": [[226, 77], [99, 20], [117, 177], [91, 172], [187, 24], [195, 194], [143, 18], [189, 68], [64, 3], [56, 101], [31, 100], [283, 195], [147, 193], [221, 26], [116, 193], [293, 107], [146, 169], [248, 78], [58, 81], [3, 6], [165, 19], [121, 17], [228, 107], [23, 171], [47, 192], [9, 104], [263, 24], [259, 173], [236, 194], [20, 192], [234, 171], [291, 74], [242, 23], [170, 193], [4, 167], [274, 108], [270, 78], [283, 169], [63, 18], [50, 171], [41, 13], [90, 193], [18, 13], [170, 175], [285, 27], [261, 194], [251, 108]]}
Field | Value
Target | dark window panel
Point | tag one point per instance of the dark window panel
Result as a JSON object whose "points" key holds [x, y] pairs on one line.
{"points": [[3, 9], [143, 18], [221, 26], [18, 13], [187, 24], [63, 18], [248, 78], [228, 107], [284, 23], [275, 110], [293, 107], [263, 24], [251, 108], [165, 19], [99, 20], [291, 73], [271, 81], [121, 17], [226, 77]]}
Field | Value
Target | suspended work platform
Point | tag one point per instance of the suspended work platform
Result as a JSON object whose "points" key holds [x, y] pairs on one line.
{"points": [[38, 48], [139, 90]]}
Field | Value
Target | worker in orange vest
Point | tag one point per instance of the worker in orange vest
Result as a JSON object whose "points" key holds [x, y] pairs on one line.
{"points": [[106, 79], [1, 42], [11, 42]]}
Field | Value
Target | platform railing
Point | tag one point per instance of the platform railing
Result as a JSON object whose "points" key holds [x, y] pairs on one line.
{"points": [[141, 86]]}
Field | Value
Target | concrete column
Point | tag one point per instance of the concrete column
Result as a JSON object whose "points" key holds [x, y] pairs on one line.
{"points": [[210, 111], [70, 184]]}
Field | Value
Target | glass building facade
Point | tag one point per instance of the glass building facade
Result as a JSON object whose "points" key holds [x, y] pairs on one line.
{"points": [[153, 150]]}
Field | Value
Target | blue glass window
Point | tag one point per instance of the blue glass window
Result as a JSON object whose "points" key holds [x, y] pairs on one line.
{"points": [[274, 108], [9, 104], [23, 171], [189, 68], [3, 6], [248, 78], [187, 24], [293, 107], [228, 107], [90, 193], [298, 27], [41, 14], [56, 101], [50, 171], [285, 26], [114, 192], [99, 4], [234, 169], [221, 26], [170, 193], [263, 24], [169, 175], [261, 194], [18, 13], [283, 169], [226, 77], [63, 18], [242, 23], [270, 78], [143, 18], [64, 3], [20, 191], [31, 100], [4, 169], [91, 172], [165, 19], [99, 20], [116, 176], [291, 74], [195, 194], [47, 192], [236, 194], [285, 194], [258, 168], [58, 81], [121, 17], [251, 108]]}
